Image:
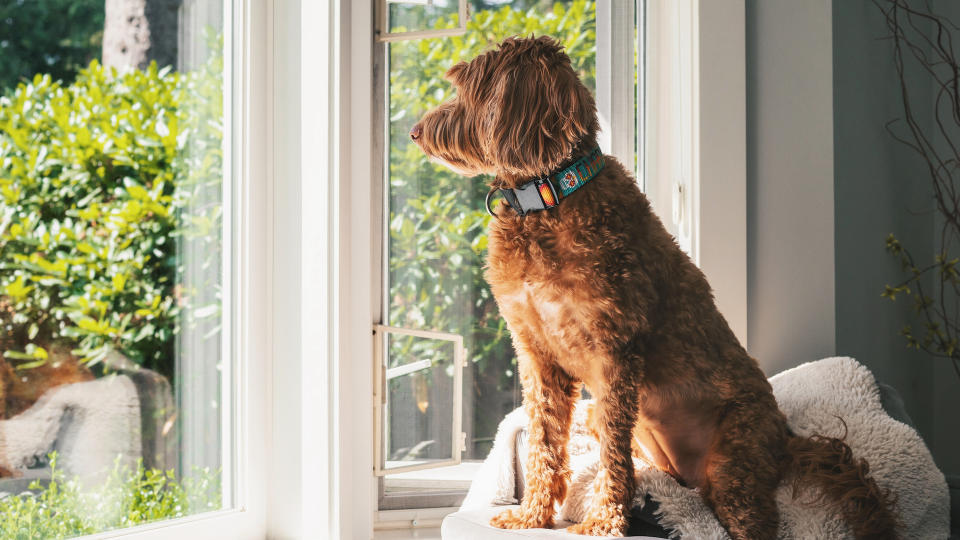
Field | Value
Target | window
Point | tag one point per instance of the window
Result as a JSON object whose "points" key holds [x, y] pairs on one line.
{"points": [[433, 230], [117, 362], [300, 198]]}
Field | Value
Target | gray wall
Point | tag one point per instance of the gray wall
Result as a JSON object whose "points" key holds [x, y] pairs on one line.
{"points": [[880, 188], [945, 406], [790, 256], [826, 184]]}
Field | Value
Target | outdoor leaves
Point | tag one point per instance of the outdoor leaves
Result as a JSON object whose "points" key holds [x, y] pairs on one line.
{"points": [[66, 508], [96, 183]]}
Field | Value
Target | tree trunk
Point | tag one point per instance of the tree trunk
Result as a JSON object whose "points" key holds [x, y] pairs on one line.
{"points": [[137, 32]]}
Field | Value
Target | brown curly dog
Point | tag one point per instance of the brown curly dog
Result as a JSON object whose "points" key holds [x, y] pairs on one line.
{"points": [[596, 292]]}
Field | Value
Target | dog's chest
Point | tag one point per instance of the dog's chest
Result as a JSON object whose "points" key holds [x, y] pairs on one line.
{"points": [[552, 296], [557, 320], [550, 312]]}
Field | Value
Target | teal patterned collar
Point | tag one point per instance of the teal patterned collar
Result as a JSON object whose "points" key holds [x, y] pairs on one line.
{"points": [[547, 192]]}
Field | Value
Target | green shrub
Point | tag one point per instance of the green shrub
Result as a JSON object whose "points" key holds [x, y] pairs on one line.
{"points": [[97, 183], [66, 508], [437, 221]]}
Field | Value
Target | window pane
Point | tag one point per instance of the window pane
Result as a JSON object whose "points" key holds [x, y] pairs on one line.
{"points": [[111, 367], [415, 15], [436, 227], [420, 380]]}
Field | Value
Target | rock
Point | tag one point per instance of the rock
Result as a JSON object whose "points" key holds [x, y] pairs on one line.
{"points": [[91, 425]]}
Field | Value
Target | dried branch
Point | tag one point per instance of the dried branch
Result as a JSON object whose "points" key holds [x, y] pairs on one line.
{"points": [[923, 40]]}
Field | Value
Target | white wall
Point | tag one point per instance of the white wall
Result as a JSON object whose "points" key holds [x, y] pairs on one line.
{"points": [[790, 239]]}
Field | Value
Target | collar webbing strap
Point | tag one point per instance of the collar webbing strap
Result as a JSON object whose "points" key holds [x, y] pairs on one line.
{"points": [[545, 193]]}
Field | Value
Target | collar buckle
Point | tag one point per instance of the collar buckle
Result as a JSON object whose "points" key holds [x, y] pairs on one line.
{"points": [[547, 192], [537, 194]]}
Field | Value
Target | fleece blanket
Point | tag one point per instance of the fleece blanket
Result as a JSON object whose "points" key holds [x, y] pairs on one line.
{"points": [[812, 396]]}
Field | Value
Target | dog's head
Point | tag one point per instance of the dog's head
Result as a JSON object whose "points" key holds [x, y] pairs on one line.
{"points": [[520, 111]]}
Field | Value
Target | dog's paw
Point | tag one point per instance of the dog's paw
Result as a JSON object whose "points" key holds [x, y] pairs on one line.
{"points": [[611, 523], [519, 518], [595, 527]]}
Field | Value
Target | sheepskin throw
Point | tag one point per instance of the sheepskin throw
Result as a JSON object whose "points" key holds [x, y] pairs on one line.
{"points": [[812, 396]]}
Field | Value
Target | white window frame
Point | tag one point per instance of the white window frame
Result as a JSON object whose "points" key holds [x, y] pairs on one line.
{"points": [[615, 95], [302, 140], [383, 32], [382, 375]]}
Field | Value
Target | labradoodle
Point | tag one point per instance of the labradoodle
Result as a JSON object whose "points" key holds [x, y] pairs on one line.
{"points": [[596, 292]]}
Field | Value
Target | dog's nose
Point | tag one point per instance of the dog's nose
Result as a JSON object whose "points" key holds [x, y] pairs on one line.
{"points": [[415, 132]]}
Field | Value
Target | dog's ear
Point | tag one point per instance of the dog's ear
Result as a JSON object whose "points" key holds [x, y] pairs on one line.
{"points": [[538, 110], [453, 74], [473, 80]]}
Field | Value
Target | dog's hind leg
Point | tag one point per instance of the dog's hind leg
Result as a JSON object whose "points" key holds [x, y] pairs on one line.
{"points": [[615, 417], [744, 468], [549, 395]]}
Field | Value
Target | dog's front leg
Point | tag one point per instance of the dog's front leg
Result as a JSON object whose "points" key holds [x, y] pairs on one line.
{"points": [[549, 395], [615, 416]]}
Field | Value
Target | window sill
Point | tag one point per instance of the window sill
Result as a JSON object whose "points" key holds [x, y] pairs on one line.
{"points": [[414, 523], [425, 533], [455, 477]]}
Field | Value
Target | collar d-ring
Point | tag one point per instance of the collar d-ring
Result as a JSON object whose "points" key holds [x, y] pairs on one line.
{"points": [[487, 202]]}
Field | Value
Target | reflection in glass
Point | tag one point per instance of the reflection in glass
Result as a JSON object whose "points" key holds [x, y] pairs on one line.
{"points": [[110, 264]]}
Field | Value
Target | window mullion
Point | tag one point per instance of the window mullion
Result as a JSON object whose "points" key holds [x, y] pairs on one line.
{"points": [[615, 79]]}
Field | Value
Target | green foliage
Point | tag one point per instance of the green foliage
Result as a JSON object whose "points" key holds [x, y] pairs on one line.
{"points": [[65, 508], [99, 183], [437, 220], [940, 333], [57, 37]]}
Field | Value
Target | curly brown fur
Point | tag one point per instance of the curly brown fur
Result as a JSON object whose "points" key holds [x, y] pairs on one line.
{"points": [[829, 464], [549, 394], [596, 291]]}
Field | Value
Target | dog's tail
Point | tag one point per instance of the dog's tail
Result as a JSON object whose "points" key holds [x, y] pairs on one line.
{"points": [[827, 463]]}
